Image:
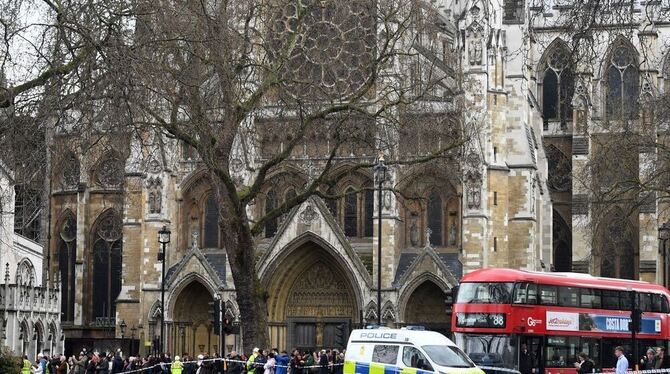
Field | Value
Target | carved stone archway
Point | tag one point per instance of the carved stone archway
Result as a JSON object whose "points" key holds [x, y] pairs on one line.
{"points": [[190, 329], [309, 297], [424, 304]]}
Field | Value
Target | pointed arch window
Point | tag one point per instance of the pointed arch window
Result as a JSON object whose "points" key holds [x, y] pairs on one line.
{"points": [[622, 85], [369, 212], [290, 194], [560, 169], [557, 86], [351, 213], [435, 219], [271, 224], [67, 256], [107, 259], [618, 258], [211, 223]]}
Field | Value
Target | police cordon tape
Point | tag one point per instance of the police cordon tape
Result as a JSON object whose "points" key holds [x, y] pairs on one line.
{"points": [[225, 360], [506, 370]]}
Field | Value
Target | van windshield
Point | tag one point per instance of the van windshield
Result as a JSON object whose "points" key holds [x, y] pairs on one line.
{"points": [[448, 356]]}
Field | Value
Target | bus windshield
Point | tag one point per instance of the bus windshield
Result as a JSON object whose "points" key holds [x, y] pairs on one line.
{"points": [[488, 350], [485, 293], [447, 356]]}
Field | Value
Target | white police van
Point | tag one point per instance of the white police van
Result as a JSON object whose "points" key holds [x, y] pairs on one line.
{"points": [[402, 351]]}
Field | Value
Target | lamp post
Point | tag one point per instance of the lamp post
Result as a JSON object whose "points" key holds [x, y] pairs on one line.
{"points": [[123, 326], [133, 331], [380, 175], [164, 239], [663, 236]]}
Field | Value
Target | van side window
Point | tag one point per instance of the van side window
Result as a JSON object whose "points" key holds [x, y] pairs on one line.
{"points": [[413, 358], [385, 354]]}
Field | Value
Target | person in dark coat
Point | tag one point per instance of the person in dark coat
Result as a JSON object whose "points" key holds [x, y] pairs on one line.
{"points": [[338, 362], [648, 362], [92, 363], [102, 367], [117, 364], [585, 365], [260, 361], [526, 361], [662, 360], [323, 362], [189, 367], [235, 365]]}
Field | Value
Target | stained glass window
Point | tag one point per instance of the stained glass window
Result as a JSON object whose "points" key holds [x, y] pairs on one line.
{"points": [[211, 226], [435, 218], [623, 83], [67, 255], [107, 260], [369, 212], [271, 224], [351, 213], [557, 85]]}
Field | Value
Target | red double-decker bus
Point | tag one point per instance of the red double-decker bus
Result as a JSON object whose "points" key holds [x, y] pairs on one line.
{"points": [[556, 316]]}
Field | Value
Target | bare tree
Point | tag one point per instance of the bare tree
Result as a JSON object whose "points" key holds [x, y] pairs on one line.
{"points": [[255, 80]]}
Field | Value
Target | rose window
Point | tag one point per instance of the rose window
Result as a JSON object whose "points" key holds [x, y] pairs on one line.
{"points": [[334, 50]]}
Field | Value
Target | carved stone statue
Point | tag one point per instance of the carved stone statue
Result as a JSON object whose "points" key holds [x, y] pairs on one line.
{"points": [[414, 232], [474, 196], [452, 234], [475, 52]]}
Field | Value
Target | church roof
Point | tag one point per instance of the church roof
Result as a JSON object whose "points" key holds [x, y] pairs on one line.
{"points": [[218, 262], [450, 260]]}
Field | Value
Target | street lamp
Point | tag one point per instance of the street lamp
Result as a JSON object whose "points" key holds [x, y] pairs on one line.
{"points": [[133, 331], [663, 236], [123, 326], [164, 239], [380, 175]]}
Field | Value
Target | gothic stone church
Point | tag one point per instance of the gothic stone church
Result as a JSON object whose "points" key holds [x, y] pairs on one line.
{"points": [[493, 209]]}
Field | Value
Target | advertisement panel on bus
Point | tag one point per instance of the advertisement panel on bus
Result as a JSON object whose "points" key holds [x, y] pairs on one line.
{"points": [[568, 321], [541, 320]]}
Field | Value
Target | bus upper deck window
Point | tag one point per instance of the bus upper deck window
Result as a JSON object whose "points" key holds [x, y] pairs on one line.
{"points": [[525, 293]]}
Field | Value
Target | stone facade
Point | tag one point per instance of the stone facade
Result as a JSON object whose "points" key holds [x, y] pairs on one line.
{"points": [[594, 232], [29, 307], [490, 207]]}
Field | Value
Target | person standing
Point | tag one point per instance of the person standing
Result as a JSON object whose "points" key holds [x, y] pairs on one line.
{"points": [[622, 361], [648, 362], [282, 363], [61, 366], [235, 363], [259, 362], [25, 369], [526, 360], [177, 367], [251, 360], [584, 366], [338, 362], [269, 366], [323, 362], [662, 360]]}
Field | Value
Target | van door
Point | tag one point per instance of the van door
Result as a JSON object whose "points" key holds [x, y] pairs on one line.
{"points": [[412, 357]]}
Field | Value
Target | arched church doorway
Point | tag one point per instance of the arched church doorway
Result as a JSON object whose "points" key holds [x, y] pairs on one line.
{"points": [[312, 302], [562, 241], [191, 330], [426, 307]]}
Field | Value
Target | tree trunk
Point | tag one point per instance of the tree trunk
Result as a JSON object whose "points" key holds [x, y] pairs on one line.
{"points": [[251, 297]]}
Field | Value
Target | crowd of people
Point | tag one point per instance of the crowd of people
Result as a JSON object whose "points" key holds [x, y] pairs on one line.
{"points": [[258, 362]]}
